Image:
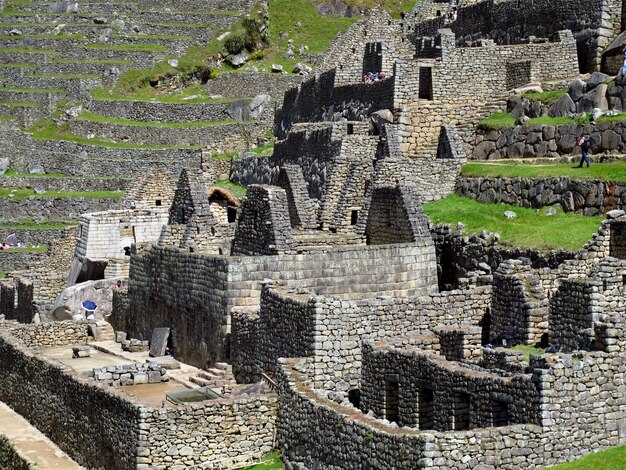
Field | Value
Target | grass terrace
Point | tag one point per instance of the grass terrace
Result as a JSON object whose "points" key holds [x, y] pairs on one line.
{"points": [[32, 90], [28, 50], [66, 76], [92, 61], [19, 194], [19, 104], [530, 229], [5, 118], [87, 116], [612, 459], [128, 47], [39, 224], [270, 462], [46, 129], [27, 249], [546, 97], [527, 350], [237, 190], [17, 66], [55, 37], [614, 171]]}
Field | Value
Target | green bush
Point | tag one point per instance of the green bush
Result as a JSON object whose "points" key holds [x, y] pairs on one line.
{"points": [[235, 44]]}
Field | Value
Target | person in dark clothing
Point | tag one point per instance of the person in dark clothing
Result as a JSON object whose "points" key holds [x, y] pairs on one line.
{"points": [[585, 145]]}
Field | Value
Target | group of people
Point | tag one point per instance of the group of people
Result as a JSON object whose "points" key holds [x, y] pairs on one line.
{"points": [[372, 77]]}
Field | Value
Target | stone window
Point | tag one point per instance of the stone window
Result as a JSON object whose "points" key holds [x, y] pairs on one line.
{"points": [[392, 399], [500, 413], [460, 411], [426, 407], [157, 203], [231, 213], [350, 129], [426, 83], [373, 57], [354, 217]]}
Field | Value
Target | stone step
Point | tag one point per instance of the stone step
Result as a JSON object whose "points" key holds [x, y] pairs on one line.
{"points": [[199, 381]]}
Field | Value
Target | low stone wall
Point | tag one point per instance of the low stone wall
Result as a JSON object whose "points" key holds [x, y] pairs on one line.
{"points": [[170, 112], [218, 138], [588, 197], [18, 261], [132, 374], [48, 208], [96, 428], [47, 335], [32, 236], [219, 430], [69, 158], [539, 141], [503, 360], [248, 85], [10, 459], [76, 184]]}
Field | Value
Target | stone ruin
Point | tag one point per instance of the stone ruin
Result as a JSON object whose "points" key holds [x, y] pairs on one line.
{"points": [[359, 336]]}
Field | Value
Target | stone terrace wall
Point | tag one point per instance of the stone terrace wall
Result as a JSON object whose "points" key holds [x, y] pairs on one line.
{"points": [[193, 293], [249, 85], [539, 141], [313, 430], [594, 23], [588, 197], [96, 428], [18, 261], [9, 456], [58, 207], [220, 429], [46, 335], [64, 184]]}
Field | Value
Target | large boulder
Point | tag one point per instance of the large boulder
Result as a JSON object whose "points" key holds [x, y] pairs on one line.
{"points": [[577, 89], [595, 98], [563, 107], [610, 140], [35, 169], [258, 105], [484, 149], [597, 78], [69, 303]]}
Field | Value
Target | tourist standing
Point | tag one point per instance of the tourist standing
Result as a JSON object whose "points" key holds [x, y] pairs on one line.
{"points": [[585, 145]]}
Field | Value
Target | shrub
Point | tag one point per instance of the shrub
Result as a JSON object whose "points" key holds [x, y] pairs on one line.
{"points": [[235, 44]]}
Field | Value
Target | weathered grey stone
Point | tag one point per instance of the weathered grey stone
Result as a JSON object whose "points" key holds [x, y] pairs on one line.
{"points": [[158, 343], [564, 106]]}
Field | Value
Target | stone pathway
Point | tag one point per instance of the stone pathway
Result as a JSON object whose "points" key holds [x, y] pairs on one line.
{"points": [[32, 444]]}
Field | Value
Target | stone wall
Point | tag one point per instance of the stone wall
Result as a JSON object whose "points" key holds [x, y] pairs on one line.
{"points": [[594, 23], [248, 85], [76, 184], [96, 428], [193, 293], [50, 208], [46, 335], [129, 374], [458, 397], [539, 141], [222, 431], [18, 261], [314, 431], [588, 197]]}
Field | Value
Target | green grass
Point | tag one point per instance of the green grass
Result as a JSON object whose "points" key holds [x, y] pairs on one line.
{"points": [[530, 229], [546, 97], [611, 459], [550, 121], [32, 90], [270, 462], [39, 224], [497, 121], [87, 116], [92, 61], [237, 190], [614, 171], [3, 274], [19, 104], [527, 350], [19, 194], [67, 76], [128, 47], [28, 50], [46, 129], [28, 249], [121, 93], [5, 118], [18, 66], [75, 36], [617, 117]]}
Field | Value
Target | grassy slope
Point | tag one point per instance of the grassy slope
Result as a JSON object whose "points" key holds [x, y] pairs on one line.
{"points": [[612, 459], [19, 194], [530, 229], [270, 462], [615, 171]]}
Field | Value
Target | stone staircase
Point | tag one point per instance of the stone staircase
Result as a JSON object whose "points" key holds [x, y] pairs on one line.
{"points": [[219, 378], [105, 331]]}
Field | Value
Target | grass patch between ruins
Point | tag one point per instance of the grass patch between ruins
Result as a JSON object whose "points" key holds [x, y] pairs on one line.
{"points": [[39, 224], [497, 121], [546, 97], [237, 190], [611, 459], [530, 229], [613, 171], [527, 350], [19, 194], [270, 462], [88, 116]]}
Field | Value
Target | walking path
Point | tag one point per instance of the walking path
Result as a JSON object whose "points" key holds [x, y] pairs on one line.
{"points": [[32, 444]]}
